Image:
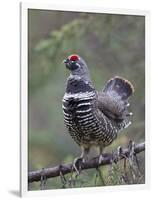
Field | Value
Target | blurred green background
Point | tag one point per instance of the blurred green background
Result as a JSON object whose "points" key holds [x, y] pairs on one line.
{"points": [[111, 45]]}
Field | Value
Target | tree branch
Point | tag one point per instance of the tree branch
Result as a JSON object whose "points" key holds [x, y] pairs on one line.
{"points": [[108, 158]]}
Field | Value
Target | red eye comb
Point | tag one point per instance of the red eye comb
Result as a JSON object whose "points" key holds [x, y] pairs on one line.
{"points": [[73, 57]]}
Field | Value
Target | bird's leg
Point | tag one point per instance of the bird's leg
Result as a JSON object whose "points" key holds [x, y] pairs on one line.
{"points": [[98, 171], [84, 154], [77, 163], [100, 155]]}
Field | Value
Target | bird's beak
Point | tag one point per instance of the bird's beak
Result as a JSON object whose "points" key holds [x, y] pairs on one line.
{"points": [[65, 61]]}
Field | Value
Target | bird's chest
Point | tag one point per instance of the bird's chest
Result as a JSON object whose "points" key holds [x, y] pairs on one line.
{"points": [[78, 111], [83, 120], [80, 117]]}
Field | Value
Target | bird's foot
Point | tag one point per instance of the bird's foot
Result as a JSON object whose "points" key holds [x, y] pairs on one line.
{"points": [[118, 155], [100, 159], [131, 154], [77, 164], [120, 152], [77, 167]]}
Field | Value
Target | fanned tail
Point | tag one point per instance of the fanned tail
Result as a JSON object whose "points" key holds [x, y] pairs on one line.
{"points": [[122, 87]]}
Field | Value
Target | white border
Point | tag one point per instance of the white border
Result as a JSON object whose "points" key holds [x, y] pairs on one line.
{"points": [[23, 99], [24, 94]]}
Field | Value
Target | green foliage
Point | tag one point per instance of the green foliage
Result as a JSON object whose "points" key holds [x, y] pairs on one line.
{"points": [[111, 45]]}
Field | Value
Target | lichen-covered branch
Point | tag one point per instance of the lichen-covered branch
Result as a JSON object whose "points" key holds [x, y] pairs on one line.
{"points": [[63, 169]]}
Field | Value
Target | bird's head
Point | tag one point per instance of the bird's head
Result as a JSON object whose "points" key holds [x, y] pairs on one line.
{"points": [[77, 66]]}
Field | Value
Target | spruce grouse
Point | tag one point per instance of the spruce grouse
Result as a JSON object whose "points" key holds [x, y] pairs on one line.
{"points": [[92, 117]]}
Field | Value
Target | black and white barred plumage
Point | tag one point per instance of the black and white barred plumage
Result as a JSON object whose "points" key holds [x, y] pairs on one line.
{"points": [[92, 117]]}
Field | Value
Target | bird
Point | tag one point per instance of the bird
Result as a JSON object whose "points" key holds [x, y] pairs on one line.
{"points": [[91, 117]]}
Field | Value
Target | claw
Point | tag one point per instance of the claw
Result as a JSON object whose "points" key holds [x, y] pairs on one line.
{"points": [[120, 152], [77, 164], [100, 159]]}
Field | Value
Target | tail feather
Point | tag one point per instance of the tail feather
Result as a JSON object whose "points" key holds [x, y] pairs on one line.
{"points": [[122, 87]]}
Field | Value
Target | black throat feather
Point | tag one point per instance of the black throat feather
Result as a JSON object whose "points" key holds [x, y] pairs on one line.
{"points": [[76, 85]]}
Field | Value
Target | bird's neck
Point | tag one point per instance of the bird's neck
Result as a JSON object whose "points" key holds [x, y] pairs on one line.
{"points": [[76, 84]]}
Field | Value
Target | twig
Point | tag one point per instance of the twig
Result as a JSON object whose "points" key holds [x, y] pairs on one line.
{"points": [[93, 163]]}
